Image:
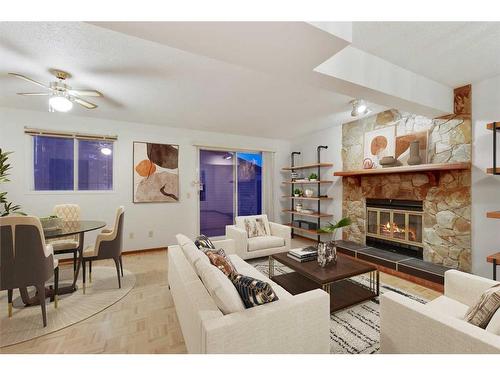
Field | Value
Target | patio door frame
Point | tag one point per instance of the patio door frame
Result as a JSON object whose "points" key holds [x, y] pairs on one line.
{"points": [[200, 148]]}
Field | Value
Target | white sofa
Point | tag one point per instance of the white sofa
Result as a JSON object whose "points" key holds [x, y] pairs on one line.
{"points": [[407, 326], [247, 248], [293, 324]]}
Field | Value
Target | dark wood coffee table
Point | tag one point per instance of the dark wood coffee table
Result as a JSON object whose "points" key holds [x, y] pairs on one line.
{"points": [[335, 279]]}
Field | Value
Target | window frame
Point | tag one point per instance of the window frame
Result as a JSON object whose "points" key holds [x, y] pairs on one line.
{"points": [[31, 168]]}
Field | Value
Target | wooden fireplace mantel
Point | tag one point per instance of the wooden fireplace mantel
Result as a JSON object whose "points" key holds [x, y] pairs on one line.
{"points": [[433, 170]]}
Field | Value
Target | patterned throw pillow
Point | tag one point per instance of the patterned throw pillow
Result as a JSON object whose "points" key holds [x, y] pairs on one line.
{"points": [[203, 242], [253, 292], [481, 313], [255, 227], [221, 261]]}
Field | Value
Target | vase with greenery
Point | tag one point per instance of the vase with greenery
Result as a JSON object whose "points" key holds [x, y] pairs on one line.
{"points": [[297, 192], [327, 251], [6, 207], [313, 177]]}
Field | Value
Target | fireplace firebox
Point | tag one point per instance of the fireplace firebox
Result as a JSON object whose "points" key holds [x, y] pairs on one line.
{"points": [[395, 225]]}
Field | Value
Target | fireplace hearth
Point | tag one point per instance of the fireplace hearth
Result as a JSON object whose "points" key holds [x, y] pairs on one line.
{"points": [[395, 225]]}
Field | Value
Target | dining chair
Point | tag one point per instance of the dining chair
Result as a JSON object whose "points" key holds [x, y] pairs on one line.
{"points": [[25, 259], [108, 245], [68, 244]]}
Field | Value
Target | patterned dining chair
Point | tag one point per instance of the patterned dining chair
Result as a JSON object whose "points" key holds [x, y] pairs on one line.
{"points": [[25, 259], [68, 244], [108, 245]]}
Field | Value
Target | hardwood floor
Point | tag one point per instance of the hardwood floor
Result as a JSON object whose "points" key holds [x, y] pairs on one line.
{"points": [[144, 321]]}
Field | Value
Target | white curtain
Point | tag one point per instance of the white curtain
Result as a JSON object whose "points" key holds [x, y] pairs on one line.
{"points": [[268, 184]]}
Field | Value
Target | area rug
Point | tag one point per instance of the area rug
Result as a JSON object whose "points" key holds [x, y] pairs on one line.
{"points": [[353, 330], [26, 322]]}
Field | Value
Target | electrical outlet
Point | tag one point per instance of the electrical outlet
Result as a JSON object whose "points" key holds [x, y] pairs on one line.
{"points": [[131, 235], [150, 234]]}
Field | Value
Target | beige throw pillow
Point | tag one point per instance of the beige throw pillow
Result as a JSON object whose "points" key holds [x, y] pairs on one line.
{"points": [[481, 313], [255, 227]]}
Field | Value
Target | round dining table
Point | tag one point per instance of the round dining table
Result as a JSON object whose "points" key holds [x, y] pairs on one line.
{"points": [[68, 228]]}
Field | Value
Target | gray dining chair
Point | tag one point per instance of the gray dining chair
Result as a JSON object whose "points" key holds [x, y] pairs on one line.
{"points": [[108, 245], [26, 260]]}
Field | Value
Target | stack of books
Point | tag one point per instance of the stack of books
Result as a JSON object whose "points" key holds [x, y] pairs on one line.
{"points": [[304, 254]]}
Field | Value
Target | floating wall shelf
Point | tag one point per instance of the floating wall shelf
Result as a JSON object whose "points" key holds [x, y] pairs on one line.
{"points": [[307, 166]]}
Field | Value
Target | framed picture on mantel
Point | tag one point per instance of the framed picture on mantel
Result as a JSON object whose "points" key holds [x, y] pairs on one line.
{"points": [[156, 172], [379, 143]]}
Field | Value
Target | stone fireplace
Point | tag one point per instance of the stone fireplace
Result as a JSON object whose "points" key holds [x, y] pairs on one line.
{"points": [[444, 197]]}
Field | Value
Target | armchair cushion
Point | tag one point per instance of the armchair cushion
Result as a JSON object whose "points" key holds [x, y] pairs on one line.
{"points": [[265, 242], [494, 324], [481, 313], [447, 306], [240, 221], [255, 227]]}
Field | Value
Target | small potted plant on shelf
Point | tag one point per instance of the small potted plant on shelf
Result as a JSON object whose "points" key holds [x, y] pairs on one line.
{"points": [[327, 251], [297, 192], [313, 177]]}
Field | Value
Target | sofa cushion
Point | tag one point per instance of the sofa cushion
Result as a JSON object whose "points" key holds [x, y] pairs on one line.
{"points": [[266, 242], [221, 289], [203, 242], [252, 291], [448, 307], [191, 252], [220, 260], [247, 269], [481, 313], [494, 324], [240, 221], [182, 239]]}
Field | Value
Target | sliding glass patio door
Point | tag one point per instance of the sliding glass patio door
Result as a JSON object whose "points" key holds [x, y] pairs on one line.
{"points": [[230, 185]]}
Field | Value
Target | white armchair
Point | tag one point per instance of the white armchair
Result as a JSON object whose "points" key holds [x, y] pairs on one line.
{"points": [[407, 326], [277, 240]]}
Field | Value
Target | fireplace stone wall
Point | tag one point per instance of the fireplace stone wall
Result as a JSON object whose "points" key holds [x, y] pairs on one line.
{"points": [[447, 201]]}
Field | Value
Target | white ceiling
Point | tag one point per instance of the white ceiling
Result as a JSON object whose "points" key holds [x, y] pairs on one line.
{"points": [[453, 53], [241, 78], [148, 82]]}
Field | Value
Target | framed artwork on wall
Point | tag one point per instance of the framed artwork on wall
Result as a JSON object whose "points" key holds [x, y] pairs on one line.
{"points": [[403, 146], [156, 173], [377, 144]]}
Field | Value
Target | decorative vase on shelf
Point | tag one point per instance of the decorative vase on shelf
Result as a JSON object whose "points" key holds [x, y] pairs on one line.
{"points": [[298, 207], [308, 193], [414, 158], [327, 253]]}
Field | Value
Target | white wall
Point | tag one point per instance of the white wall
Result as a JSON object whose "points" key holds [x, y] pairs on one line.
{"points": [[306, 145], [485, 188], [164, 219]]}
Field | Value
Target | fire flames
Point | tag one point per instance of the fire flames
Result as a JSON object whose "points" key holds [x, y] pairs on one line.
{"points": [[392, 229]]}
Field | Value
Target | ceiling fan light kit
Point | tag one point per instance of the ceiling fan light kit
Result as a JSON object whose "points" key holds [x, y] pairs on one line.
{"points": [[61, 95], [59, 103]]}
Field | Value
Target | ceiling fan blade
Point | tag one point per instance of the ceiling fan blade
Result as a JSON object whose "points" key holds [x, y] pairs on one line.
{"points": [[33, 93], [84, 103], [28, 79], [84, 92]]}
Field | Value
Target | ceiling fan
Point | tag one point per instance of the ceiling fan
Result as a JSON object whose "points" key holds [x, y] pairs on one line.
{"points": [[62, 96]]}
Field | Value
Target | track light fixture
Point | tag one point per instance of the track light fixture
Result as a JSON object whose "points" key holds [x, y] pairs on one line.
{"points": [[359, 107]]}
